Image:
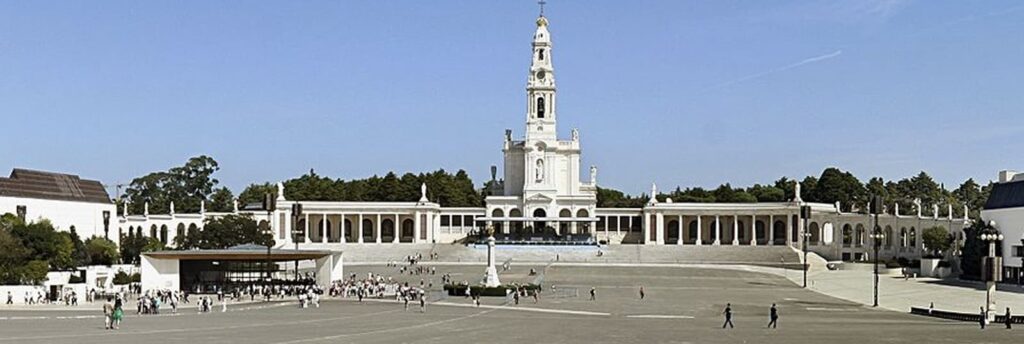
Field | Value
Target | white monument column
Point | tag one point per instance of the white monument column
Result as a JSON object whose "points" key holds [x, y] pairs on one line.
{"points": [[679, 221], [753, 230], [700, 231], [771, 230], [306, 237], [377, 229], [491, 273], [416, 228], [398, 229], [718, 231], [659, 222], [359, 219], [735, 230], [341, 225]]}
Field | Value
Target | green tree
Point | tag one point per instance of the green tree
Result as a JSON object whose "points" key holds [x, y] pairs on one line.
{"points": [[13, 256], [101, 250], [767, 193], [222, 201], [46, 244], [185, 185], [974, 249], [936, 240], [153, 245], [79, 256], [835, 185], [254, 193], [226, 231], [34, 272], [131, 247]]}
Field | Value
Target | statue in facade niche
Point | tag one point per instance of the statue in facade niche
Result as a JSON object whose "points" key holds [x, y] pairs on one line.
{"points": [[539, 170], [575, 134], [593, 175]]}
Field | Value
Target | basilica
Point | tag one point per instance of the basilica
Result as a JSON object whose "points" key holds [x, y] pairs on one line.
{"points": [[545, 196]]}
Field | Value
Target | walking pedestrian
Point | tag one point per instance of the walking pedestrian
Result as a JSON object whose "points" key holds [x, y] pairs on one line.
{"points": [[108, 314], [642, 292], [593, 294], [10, 298], [728, 315], [423, 303], [118, 313], [774, 317], [1009, 319], [981, 318]]}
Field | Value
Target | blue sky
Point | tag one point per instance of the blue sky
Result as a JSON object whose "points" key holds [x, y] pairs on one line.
{"points": [[692, 93]]}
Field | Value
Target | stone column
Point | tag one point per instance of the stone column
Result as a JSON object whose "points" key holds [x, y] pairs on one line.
{"points": [[735, 230], [647, 229], [679, 222], [771, 230], [659, 220], [376, 226], [718, 231], [359, 224], [398, 229], [700, 235], [324, 230], [306, 239], [789, 230], [753, 230], [416, 228], [341, 227]]}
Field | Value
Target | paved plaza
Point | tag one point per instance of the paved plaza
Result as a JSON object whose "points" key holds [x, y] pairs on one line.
{"points": [[682, 305]]}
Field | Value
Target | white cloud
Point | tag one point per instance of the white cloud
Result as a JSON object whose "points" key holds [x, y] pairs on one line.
{"points": [[806, 61]]}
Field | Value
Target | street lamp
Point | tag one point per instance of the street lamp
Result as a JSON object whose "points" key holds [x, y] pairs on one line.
{"points": [[805, 215], [296, 213], [106, 224], [876, 239], [269, 204], [990, 266]]}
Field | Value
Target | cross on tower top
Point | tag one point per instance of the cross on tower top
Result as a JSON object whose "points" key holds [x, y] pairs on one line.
{"points": [[541, 3]]}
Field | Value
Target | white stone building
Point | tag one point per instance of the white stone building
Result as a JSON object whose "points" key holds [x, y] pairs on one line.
{"points": [[67, 201], [544, 196], [1005, 207]]}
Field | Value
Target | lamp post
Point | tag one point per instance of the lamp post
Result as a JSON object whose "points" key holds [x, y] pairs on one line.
{"points": [[876, 240], [269, 204], [106, 225], [990, 267], [296, 213]]}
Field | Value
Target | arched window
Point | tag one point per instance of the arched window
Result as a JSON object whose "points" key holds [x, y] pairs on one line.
{"points": [[540, 54], [540, 107]]}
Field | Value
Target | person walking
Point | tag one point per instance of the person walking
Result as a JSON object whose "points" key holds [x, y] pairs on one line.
{"points": [[118, 313], [728, 315], [774, 317], [108, 314], [981, 318], [593, 294], [423, 303], [1009, 319], [642, 292], [10, 298]]}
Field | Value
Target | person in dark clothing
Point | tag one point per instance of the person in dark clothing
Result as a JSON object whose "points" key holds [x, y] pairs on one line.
{"points": [[981, 319], [1009, 319], [593, 294], [774, 317], [642, 294], [728, 315]]}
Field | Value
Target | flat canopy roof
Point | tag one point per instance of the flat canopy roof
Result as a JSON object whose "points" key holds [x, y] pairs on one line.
{"points": [[235, 254]]}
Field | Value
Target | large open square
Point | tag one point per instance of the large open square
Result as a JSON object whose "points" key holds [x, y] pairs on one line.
{"points": [[682, 305]]}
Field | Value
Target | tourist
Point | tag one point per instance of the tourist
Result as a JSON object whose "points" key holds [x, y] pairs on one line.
{"points": [[982, 319], [10, 298], [108, 314], [1009, 319], [642, 292], [118, 313], [593, 294], [774, 317], [728, 315], [423, 302]]}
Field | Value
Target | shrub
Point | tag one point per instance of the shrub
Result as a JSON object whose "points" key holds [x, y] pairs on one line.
{"points": [[122, 278], [136, 278], [903, 262]]}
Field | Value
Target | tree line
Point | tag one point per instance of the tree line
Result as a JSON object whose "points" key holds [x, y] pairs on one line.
{"points": [[447, 189], [833, 185]]}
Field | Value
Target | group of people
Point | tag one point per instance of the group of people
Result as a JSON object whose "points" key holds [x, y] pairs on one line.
{"points": [[773, 316], [1007, 318], [113, 312], [150, 301]]}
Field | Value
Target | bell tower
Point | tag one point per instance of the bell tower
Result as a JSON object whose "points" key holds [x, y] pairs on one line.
{"points": [[540, 88]]}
